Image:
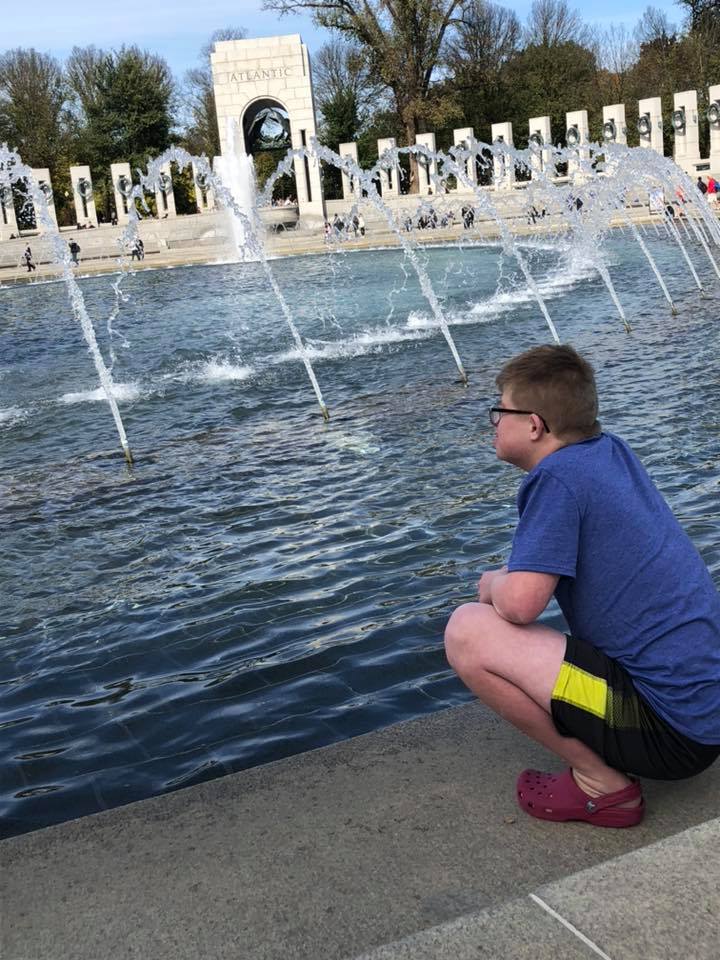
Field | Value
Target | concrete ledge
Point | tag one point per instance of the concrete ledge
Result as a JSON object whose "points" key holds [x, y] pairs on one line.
{"points": [[652, 904], [325, 855]]}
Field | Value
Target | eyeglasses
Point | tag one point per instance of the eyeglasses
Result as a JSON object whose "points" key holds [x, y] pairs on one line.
{"points": [[497, 412]]}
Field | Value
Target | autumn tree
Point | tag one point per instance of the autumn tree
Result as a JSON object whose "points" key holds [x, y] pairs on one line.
{"points": [[476, 56], [402, 41]]}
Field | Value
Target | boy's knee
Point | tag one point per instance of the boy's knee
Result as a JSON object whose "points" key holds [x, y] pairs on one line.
{"points": [[466, 632]]}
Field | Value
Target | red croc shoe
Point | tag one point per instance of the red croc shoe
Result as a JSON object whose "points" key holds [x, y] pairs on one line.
{"points": [[550, 796]]}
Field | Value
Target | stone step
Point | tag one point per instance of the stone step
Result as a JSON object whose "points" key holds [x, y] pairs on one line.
{"points": [[660, 901]]}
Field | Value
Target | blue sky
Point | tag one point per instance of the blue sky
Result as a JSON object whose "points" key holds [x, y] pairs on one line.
{"points": [[177, 29]]}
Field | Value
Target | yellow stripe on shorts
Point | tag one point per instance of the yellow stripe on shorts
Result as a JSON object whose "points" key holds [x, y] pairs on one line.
{"points": [[581, 689]]}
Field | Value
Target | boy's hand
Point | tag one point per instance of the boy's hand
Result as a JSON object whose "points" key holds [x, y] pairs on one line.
{"points": [[485, 583]]}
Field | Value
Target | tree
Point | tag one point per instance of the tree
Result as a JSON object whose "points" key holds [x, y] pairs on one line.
{"points": [[201, 126], [550, 80], [701, 13], [486, 39], [124, 102], [35, 119], [346, 92], [552, 22], [618, 53], [402, 41], [33, 106]]}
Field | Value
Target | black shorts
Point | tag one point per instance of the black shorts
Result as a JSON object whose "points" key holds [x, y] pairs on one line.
{"points": [[595, 700]]}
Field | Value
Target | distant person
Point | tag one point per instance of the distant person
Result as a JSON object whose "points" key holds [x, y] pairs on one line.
{"points": [[361, 224], [138, 250], [28, 258], [74, 251], [702, 186], [113, 220], [712, 190]]}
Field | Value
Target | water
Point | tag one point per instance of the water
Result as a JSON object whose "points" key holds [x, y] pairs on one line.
{"points": [[263, 583]]}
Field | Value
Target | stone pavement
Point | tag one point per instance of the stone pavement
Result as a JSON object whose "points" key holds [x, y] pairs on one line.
{"points": [[333, 853]]}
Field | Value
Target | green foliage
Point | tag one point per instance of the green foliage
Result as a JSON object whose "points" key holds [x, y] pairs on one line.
{"points": [[548, 81], [35, 119], [183, 189], [126, 108]]}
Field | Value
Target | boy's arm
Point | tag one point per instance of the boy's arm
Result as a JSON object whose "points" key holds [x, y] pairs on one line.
{"points": [[520, 596]]}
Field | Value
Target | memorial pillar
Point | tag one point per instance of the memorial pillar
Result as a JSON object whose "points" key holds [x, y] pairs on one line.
{"points": [[82, 188], [501, 135], [713, 117], [122, 189], [614, 127], [464, 139], [8, 221], [686, 147], [164, 193], [650, 124], [41, 176], [349, 151], [427, 168], [540, 143], [204, 195], [389, 178], [577, 138]]}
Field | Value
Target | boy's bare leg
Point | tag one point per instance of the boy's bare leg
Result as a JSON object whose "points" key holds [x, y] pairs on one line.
{"points": [[513, 668]]}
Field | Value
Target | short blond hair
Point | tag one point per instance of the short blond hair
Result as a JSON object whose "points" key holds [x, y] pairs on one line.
{"points": [[558, 384]]}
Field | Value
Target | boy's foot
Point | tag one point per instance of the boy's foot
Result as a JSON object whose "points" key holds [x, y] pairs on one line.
{"points": [[550, 796]]}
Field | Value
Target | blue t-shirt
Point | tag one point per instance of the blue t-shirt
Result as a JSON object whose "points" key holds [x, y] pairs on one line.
{"points": [[631, 582]]}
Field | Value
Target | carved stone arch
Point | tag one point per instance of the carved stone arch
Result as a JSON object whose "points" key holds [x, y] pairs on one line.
{"points": [[253, 79]]}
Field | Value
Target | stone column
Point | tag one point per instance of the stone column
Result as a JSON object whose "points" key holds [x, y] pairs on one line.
{"points": [[577, 137], [501, 135], [426, 170], [686, 148], [8, 221], [82, 188], [122, 185], [650, 124], [464, 138], [714, 121], [614, 127], [204, 195], [349, 151], [164, 193], [389, 179], [307, 178], [540, 143], [42, 179]]}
